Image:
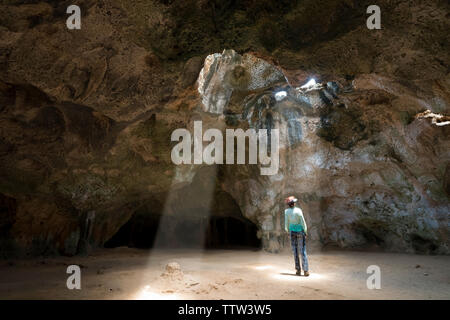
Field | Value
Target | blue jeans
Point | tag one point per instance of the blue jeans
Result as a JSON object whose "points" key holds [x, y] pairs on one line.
{"points": [[298, 242]]}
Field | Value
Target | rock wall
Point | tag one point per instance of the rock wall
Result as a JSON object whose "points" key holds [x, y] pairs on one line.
{"points": [[86, 118], [365, 168]]}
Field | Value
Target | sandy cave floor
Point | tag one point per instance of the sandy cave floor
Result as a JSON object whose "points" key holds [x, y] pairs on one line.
{"points": [[125, 273]]}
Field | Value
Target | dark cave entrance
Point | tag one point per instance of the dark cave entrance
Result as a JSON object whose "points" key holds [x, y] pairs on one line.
{"points": [[216, 232], [221, 227], [422, 245], [139, 232], [8, 208], [199, 215], [230, 232]]}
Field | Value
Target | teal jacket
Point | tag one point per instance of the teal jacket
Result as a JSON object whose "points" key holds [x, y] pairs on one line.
{"points": [[294, 220]]}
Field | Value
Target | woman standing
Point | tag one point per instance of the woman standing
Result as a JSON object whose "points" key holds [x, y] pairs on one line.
{"points": [[295, 225]]}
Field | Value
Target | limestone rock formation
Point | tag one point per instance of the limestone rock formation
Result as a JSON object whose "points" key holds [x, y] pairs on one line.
{"points": [[357, 164], [225, 73]]}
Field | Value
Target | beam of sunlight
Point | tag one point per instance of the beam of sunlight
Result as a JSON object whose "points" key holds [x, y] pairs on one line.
{"points": [[200, 197], [147, 294], [174, 209]]}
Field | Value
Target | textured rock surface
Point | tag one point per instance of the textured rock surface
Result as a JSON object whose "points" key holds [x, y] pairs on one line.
{"points": [[86, 117], [365, 169]]}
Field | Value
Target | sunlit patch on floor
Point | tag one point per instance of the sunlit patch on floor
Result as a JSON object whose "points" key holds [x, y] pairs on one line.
{"points": [[147, 294], [265, 267], [289, 275]]}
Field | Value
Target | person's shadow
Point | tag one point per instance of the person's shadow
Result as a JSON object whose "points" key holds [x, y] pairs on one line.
{"points": [[288, 274]]}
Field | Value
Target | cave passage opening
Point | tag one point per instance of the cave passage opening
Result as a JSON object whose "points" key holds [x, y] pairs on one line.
{"points": [[221, 227], [216, 232]]}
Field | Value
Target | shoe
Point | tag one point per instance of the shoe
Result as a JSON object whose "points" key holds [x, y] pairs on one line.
{"points": [[306, 274], [299, 272]]}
